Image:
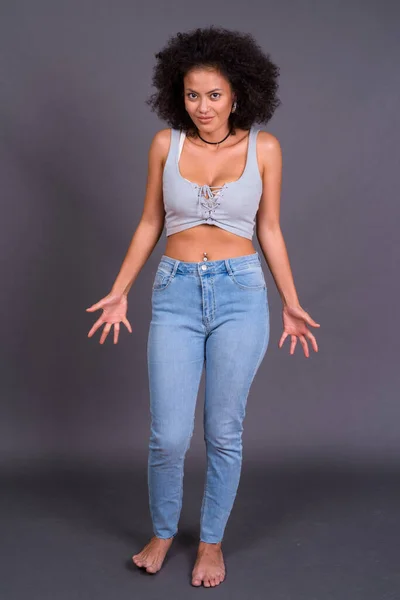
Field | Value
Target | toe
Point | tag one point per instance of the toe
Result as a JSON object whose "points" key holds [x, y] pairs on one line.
{"points": [[152, 569], [207, 583]]}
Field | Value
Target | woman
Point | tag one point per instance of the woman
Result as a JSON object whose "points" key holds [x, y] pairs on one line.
{"points": [[213, 176]]}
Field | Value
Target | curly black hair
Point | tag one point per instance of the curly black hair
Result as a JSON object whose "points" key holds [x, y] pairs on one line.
{"points": [[236, 55]]}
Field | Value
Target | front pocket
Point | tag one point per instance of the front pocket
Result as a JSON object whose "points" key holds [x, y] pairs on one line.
{"points": [[249, 278], [162, 279]]}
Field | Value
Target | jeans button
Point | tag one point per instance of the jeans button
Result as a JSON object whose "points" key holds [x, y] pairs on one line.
{"points": [[204, 267]]}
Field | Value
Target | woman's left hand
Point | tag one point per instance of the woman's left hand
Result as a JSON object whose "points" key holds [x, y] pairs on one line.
{"points": [[295, 321]]}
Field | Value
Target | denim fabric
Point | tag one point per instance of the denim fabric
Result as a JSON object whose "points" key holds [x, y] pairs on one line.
{"points": [[211, 315]]}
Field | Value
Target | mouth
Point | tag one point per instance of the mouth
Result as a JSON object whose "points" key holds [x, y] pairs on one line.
{"points": [[205, 119]]}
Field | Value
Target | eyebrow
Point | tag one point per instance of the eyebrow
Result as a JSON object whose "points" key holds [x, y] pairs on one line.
{"points": [[214, 90]]}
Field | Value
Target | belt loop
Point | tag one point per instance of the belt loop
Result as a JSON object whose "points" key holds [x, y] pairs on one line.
{"points": [[228, 266], [175, 266]]}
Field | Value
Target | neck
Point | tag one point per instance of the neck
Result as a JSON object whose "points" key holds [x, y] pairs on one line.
{"points": [[215, 136]]}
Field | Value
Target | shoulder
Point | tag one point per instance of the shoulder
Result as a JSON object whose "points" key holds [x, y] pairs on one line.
{"points": [[160, 143], [269, 154], [268, 143], [269, 151], [162, 138]]}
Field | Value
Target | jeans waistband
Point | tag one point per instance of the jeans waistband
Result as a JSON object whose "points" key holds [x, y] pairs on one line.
{"points": [[215, 266]]}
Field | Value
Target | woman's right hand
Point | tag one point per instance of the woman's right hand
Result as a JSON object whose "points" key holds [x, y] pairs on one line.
{"points": [[114, 311]]}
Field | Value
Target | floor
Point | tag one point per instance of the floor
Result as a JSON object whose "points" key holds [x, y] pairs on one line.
{"points": [[296, 532]]}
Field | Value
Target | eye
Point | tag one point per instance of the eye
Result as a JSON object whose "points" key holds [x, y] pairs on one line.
{"points": [[194, 94]]}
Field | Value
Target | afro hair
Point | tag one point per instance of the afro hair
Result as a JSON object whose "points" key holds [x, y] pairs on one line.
{"points": [[236, 55]]}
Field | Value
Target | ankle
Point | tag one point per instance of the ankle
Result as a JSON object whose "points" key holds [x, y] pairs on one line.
{"points": [[209, 544]]}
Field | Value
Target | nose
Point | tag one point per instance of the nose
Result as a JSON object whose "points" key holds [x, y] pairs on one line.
{"points": [[204, 106]]}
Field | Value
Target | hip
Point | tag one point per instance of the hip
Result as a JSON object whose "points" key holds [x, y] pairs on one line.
{"points": [[198, 294]]}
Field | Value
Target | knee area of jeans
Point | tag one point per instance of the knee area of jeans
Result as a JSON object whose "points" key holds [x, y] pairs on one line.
{"points": [[170, 445], [222, 435], [218, 442]]}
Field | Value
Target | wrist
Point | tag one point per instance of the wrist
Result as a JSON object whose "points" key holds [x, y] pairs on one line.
{"points": [[118, 292], [290, 303]]}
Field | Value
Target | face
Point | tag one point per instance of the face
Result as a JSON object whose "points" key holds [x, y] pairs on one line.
{"points": [[207, 93]]}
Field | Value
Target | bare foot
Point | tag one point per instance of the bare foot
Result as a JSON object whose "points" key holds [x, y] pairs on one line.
{"points": [[153, 554], [209, 566]]}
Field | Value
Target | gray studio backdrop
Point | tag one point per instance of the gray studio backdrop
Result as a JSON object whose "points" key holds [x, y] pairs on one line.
{"points": [[75, 137]]}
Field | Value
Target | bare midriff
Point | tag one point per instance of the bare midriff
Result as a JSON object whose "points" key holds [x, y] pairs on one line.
{"points": [[191, 244]]}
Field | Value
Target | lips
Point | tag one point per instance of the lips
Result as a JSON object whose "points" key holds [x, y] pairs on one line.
{"points": [[205, 120]]}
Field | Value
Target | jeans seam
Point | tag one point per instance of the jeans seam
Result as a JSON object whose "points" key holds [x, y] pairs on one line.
{"points": [[262, 352], [203, 504]]}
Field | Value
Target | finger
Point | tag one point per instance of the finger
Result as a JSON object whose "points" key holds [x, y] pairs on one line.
{"points": [[313, 340], [293, 344], [106, 330], [310, 321], [283, 338], [96, 325], [127, 324], [116, 332], [95, 306], [303, 342]]}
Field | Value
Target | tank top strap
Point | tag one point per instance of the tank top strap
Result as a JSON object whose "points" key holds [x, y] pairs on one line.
{"points": [[180, 141], [252, 166], [174, 143], [173, 147]]}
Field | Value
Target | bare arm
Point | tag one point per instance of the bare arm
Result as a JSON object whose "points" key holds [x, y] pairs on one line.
{"points": [[269, 233], [151, 223]]}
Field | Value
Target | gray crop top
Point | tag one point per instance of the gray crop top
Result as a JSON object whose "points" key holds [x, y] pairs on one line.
{"points": [[232, 206]]}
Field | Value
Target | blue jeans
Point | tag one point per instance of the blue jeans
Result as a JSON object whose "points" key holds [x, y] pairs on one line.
{"points": [[213, 314]]}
